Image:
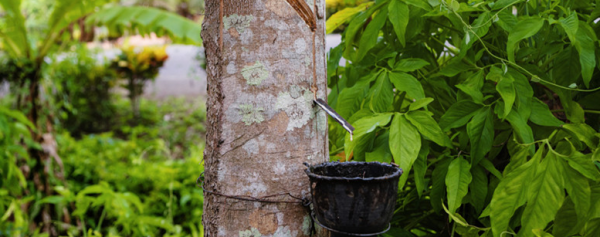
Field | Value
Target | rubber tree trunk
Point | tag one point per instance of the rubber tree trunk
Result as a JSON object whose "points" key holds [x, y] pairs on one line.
{"points": [[262, 124]]}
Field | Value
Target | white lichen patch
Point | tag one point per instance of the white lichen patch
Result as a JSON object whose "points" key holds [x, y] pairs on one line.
{"points": [[254, 186], [300, 46], [231, 69], [251, 147], [298, 110], [240, 23], [321, 121], [283, 231], [251, 114], [255, 74], [250, 233]]}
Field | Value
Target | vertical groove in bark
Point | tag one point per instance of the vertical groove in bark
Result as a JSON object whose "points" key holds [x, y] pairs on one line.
{"points": [[262, 124]]}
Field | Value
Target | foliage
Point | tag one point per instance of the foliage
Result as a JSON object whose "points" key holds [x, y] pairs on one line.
{"points": [[146, 20], [488, 106], [138, 66], [339, 12], [82, 90], [141, 186], [13, 160]]}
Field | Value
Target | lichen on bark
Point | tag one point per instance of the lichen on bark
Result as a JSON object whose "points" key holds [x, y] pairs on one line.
{"points": [[255, 74]]}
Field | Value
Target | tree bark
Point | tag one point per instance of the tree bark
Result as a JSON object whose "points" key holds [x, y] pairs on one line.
{"points": [[262, 124]]}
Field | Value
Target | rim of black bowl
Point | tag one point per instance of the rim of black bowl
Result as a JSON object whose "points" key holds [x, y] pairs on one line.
{"points": [[394, 175]]}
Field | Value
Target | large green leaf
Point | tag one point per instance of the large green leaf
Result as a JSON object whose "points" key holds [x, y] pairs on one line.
{"points": [[481, 134], [570, 25], [592, 228], [478, 187], [343, 16], [14, 36], [541, 115], [399, 15], [472, 87], [405, 143], [420, 167], [579, 190], [566, 220], [146, 20], [355, 26], [438, 183], [545, 195], [459, 114], [511, 194], [457, 182], [381, 94], [381, 150], [430, 130], [585, 45], [521, 128], [349, 100], [524, 93], [506, 88], [503, 3], [525, 28], [410, 64], [584, 133], [584, 165], [363, 127], [369, 37], [409, 84]]}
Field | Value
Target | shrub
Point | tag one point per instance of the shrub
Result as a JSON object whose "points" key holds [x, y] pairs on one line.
{"points": [[488, 106]]}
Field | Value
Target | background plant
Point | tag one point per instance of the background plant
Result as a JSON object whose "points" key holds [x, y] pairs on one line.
{"points": [[488, 106], [138, 65]]}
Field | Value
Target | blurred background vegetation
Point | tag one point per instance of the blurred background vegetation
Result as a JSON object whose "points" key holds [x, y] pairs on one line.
{"points": [[82, 151]]}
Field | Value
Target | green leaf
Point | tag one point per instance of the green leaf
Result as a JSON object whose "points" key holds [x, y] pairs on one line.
{"points": [[472, 87], [570, 25], [147, 19], [410, 64], [545, 195], [521, 129], [566, 220], [420, 4], [541, 115], [344, 16], [14, 37], [430, 130], [525, 28], [380, 153], [503, 3], [579, 190], [399, 15], [458, 114], [592, 228], [506, 88], [510, 194], [457, 182], [407, 83], [421, 103], [438, 183], [357, 24], [363, 127], [586, 47], [349, 100], [541, 233], [584, 165], [369, 37], [584, 133], [381, 94], [420, 167], [405, 143], [478, 187], [481, 134], [524, 93]]}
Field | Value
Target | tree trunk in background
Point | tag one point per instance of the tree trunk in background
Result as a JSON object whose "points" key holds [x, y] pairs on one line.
{"points": [[262, 124]]}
